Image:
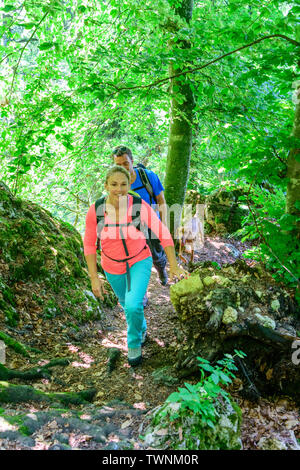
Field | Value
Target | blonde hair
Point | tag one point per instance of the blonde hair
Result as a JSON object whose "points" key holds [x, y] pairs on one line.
{"points": [[117, 169]]}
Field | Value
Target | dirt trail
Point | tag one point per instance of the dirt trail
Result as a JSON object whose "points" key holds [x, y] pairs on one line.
{"points": [[125, 394]]}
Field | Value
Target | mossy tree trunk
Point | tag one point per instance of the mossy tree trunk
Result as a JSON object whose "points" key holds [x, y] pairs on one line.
{"points": [[180, 135], [293, 164]]}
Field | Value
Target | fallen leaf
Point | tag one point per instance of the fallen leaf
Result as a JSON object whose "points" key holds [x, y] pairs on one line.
{"points": [[291, 423], [269, 374], [52, 425], [162, 432], [126, 424]]}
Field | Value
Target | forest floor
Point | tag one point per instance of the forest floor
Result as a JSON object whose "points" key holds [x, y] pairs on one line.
{"points": [[124, 395]]}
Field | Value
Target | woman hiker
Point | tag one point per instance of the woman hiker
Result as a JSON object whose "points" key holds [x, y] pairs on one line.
{"points": [[125, 256]]}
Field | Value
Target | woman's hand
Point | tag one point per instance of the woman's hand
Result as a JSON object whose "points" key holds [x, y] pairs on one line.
{"points": [[98, 287], [176, 272]]}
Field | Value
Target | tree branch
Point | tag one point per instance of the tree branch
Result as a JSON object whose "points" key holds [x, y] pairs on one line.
{"points": [[185, 72], [23, 49]]}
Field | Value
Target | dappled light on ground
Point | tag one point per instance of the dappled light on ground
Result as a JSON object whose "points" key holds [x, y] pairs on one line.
{"points": [[140, 406], [6, 426]]}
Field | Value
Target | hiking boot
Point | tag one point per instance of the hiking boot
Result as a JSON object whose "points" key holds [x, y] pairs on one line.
{"points": [[145, 301], [163, 276], [144, 337], [134, 356]]}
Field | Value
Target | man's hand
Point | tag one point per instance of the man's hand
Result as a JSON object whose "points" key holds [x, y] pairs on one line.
{"points": [[98, 287]]}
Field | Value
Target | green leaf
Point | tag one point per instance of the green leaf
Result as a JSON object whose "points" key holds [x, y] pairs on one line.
{"points": [[114, 13], [207, 367], [240, 354], [45, 46], [225, 378], [8, 8], [215, 378], [205, 361], [68, 145], [27, 25]]}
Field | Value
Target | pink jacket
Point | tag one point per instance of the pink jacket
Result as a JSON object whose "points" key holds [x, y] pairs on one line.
{"points": [[111, 243]]}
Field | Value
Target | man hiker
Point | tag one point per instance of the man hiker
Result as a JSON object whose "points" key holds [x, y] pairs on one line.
{"points": [[148, 185]]}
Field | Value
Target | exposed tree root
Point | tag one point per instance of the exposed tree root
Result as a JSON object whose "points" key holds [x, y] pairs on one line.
{"points": [[40, 372], [10, 393]]}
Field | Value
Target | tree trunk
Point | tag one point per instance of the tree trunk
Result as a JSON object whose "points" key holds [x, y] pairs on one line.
{"points": [[180, 135], [293, 170]]}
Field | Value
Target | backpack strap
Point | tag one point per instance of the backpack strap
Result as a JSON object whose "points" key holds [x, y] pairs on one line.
{"points": [[99, 209], [100, 215], [136, 213], [146, 183]]}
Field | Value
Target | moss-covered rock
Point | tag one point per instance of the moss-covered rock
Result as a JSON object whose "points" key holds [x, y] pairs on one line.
{"points": [[266, 321], [46, 254], [190, 432], [186, 288], [230, 315], [234, 307]]}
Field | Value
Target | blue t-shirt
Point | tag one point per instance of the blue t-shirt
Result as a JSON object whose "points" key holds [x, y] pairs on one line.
{"points": [[155, 182]]}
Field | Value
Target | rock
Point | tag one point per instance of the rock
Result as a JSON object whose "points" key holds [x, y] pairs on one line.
{"points": [[275, 305], [111, 445], [222, 280], [259, 294], [186, 287], [271, 443], [230, 316], [42, 252], [208, 281], [163, 376], [31, 425], [265, 321], [189, 432], [61, 437], [59, 447], [18, 437], [235, 253]]}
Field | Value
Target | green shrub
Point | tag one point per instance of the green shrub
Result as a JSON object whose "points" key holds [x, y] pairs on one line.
{"points": [[201, 398]]}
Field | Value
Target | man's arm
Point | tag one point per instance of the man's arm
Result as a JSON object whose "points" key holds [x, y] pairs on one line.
{"points": [[162, 208]]}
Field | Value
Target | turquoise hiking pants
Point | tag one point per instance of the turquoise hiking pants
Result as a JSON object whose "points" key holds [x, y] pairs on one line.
{"points": [[132, 301]]}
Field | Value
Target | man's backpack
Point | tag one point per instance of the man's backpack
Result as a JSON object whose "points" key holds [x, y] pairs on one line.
{"points": [[145, 182]]}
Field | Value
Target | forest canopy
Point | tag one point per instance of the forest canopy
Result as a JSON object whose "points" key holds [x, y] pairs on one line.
{"points": [[80, 77]]}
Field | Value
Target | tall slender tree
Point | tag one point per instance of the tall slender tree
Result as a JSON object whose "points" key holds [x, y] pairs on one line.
{"points": [[181, 124], [293, 167]]}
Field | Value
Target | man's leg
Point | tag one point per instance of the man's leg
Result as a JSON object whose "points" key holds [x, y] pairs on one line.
{"points": [[159, 260]]}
